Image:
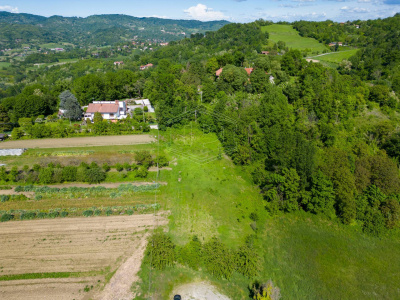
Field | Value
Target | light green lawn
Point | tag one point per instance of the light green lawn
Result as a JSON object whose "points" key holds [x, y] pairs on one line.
{"points": [[291, 37], [336, 57], [4, 64]]}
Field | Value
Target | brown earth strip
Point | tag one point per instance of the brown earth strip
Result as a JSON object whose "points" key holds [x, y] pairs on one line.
{"points": [[79, 141]]}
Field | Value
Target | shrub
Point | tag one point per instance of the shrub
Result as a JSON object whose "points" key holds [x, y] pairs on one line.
{"points": [[88, 213], [69, 173], [141, 172], [57, 175], [119, 167], [6, 217], [38, 197], [97, 212], [190, 254], [36, 167], [218, 259], [143, 158], [129, 212], [41, 215], [247, 262], [64, 214], [95, 175], [109, 212], [127, 166], [161, 249], [266, 291], [4, 198], [106, 167], [28, 216], [17, 133], [46, 175], [53, 214], [162, 161]]}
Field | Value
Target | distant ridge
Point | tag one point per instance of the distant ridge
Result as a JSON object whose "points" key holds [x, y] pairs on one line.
{"points": [[96, 29]]}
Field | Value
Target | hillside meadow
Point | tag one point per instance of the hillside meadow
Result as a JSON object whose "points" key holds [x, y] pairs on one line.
{"points": [[287, 34]]}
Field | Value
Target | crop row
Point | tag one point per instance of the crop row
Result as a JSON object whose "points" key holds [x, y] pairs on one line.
{"points": [[23, 214]]}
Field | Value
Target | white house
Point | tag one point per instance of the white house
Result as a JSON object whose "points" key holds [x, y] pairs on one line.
{"points": [[110, 110]]}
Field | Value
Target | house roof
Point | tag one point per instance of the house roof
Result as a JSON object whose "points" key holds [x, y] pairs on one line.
{"points": [[102, 108], [218, 72], [249, 70]]}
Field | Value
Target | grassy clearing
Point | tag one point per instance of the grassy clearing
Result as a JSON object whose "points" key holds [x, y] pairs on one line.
{"points": [[310, 258], [207, 196], [4, 64], [287, 34], [336, 57]]}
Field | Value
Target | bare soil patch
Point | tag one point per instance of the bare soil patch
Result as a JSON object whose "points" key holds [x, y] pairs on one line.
{"points": [[79, 142], [68, 245], [198, 291]]}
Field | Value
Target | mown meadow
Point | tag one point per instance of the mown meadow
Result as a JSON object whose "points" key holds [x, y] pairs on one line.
{"points": [[287, 34]]}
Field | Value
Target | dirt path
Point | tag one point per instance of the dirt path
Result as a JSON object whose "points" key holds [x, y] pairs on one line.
{"points": [[119, 287], [80, 142], [198, 291]]}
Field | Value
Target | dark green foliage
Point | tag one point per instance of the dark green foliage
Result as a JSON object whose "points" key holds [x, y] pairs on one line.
{"points": [[69, 103], [248, 261], [53, 215], [6, 217], [88, 213], [190, 254], [119, 167], [143, 158], [41, 215], [109, 212], [129, 212], [141, 172], [160, 251], [69, 173], [218, 259], [95, 175], [46, 175], [162, 161], [28, 216], [106, 167], [64, 214]]}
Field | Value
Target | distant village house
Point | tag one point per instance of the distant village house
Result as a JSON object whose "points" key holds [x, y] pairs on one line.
{"points": [[146, 67]]}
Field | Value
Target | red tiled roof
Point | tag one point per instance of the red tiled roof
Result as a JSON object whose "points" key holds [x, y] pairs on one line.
{"points": [[102, 108], [249, 70], [218, 72]]}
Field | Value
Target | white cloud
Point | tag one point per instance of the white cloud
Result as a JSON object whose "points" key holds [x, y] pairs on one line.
{"points": [[354, 9], [363, 1], [9, 8], [203, 13]]}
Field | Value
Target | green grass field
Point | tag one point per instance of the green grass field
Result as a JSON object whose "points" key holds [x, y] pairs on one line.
{"points": [[336, 57], [291, 37], [4, 64]]}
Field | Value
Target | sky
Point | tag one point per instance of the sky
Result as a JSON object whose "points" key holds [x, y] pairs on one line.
{"points": [[231, 10]]}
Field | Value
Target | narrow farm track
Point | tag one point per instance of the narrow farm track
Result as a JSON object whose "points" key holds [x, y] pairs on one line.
{"points": [[80, 142]]}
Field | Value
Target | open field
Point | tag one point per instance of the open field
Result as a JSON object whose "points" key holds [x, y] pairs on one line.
{"points": [[79, 142], [335, 57], [85, 249], [287, 34], [4, 64]]}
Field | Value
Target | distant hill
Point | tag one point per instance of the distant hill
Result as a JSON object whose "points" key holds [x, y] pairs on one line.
{"points": [[16, 29]]}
